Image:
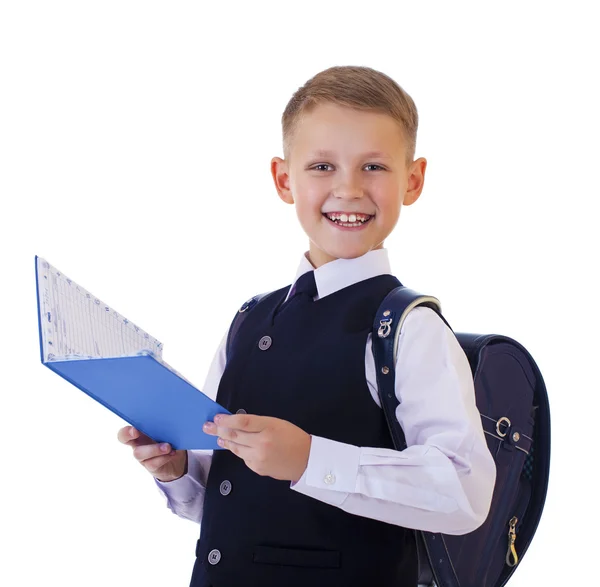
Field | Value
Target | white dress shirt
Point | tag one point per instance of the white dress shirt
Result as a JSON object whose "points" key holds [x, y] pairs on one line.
{"points": [[442, 482]]}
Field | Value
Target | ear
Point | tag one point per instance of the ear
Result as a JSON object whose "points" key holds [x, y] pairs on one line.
{"points": [[416, 180], [281, 177]]}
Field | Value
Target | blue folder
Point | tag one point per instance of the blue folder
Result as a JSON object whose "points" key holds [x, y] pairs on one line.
{"points": [[141, 389]]}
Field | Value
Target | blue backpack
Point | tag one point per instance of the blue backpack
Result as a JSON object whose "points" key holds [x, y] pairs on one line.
{"points": [[512, 400]]}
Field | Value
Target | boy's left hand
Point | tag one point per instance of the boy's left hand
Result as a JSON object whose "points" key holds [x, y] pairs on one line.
{"points": [[269, 446]]}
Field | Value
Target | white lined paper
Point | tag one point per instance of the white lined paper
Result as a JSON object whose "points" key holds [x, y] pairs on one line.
{"points": [[75, 324]]}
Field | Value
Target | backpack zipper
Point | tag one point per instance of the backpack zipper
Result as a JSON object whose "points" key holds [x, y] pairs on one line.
{"points": [[512, 536]]}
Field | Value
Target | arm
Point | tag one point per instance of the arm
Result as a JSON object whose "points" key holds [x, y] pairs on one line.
{"points": [[443, 481], [185, 496]]}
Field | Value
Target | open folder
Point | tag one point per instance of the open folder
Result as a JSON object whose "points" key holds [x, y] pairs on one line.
{"points": [[118, 364]]}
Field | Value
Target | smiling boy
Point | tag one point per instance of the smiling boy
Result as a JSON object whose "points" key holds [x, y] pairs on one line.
{"points": [[309, 489], [362, 170]]}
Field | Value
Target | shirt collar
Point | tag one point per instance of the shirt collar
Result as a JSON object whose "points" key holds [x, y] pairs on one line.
{"points": [[342, 273]]}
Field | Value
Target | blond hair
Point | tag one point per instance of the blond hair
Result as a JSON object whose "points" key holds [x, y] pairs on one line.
{"points": [[361, 88]]}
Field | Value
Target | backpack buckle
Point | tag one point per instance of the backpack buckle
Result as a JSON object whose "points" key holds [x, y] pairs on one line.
{"points": [[248, 304], [385, 325], [504, 420]]}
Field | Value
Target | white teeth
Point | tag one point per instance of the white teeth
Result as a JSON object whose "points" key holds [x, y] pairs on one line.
{"points": [[352, 218], [349, 220]]}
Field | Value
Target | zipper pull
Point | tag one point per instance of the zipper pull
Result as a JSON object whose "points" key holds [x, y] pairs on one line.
{"points": [[512, 536]]}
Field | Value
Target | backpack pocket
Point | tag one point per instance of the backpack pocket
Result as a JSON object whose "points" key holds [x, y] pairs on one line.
{"points": [[504, 386]]}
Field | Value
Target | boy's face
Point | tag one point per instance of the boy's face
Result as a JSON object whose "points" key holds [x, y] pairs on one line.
{"points": [[347, 180]]}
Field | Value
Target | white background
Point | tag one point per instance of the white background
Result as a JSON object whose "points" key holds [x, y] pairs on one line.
{"points": [[135, 148]]}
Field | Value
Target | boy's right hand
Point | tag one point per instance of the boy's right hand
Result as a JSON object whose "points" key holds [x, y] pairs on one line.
{"points": [[163, 464]]}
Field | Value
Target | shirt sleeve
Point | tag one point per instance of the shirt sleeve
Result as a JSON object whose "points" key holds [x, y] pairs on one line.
{"points": [[444, 480], [185, 496]]}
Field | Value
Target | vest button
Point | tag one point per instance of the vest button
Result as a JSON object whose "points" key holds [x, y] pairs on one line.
{"points": [[241, 411], [214, 556], [264, 343], [225, 487]]}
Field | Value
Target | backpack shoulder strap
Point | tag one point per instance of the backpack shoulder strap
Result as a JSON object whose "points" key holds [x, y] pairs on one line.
{"points": [[240, 316], [386, 330]]}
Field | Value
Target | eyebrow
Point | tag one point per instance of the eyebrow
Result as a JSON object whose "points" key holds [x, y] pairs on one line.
{"points": [[325, 153]]}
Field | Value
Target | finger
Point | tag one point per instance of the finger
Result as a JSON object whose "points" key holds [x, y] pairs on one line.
{"points": [[133, 437], [156, 463], [244, 452], [245, 422], [149, 451], [125, 434], [237, 436]]}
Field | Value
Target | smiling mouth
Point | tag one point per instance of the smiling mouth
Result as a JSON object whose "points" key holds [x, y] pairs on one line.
{"points": [[343, 221]]}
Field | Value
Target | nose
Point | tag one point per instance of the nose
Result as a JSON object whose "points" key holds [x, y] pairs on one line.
{"points": [[348, 188]]}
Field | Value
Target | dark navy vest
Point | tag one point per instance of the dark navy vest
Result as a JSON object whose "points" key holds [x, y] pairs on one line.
{"points": [[257, 531]]}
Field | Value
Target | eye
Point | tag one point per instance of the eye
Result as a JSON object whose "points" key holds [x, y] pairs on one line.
{"points": [[327, 165]]}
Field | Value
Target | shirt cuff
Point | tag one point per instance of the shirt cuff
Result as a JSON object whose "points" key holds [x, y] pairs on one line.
{"points": [[332, 471], [190, 484]]}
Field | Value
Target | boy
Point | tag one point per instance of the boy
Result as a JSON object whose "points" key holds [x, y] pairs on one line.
{"points": [[309, 490]]}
